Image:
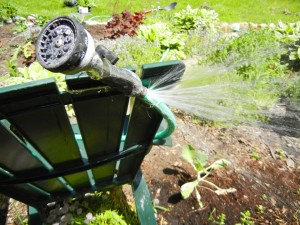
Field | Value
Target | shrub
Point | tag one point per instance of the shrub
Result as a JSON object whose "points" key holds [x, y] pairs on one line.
{"points": [[289, 34], [168, 40], [190, 19], [254, 55], [130, 52]]}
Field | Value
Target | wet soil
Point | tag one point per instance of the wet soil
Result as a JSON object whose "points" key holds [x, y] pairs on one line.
{"points": [[266, 184], [265, 169]]}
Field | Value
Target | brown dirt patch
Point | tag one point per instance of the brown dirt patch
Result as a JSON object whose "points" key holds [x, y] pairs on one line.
{"points": [[265, 182]]}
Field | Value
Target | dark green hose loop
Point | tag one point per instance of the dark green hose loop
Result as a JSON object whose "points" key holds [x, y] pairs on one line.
{"points": [[167, 114]]}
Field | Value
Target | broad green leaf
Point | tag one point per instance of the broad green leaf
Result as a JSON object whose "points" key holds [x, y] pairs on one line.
{"points": [[187, 189], [298, 51], [292, 56], [188, 153], [200, 160]]}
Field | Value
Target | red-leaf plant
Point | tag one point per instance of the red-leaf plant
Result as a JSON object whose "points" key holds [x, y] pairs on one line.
{"points": [[126, 23]]}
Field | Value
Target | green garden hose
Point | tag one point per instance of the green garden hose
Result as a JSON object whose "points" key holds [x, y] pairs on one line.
{"points": [[167, 114]]}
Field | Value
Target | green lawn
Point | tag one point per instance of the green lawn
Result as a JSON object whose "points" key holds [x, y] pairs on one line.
{"points": [[259, 11]]}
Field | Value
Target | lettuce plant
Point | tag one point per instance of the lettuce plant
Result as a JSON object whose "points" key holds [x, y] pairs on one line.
{"points": [[199, 160]]}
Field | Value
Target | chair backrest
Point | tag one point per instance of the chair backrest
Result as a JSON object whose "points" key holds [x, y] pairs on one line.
{"points": [[44, 155]]}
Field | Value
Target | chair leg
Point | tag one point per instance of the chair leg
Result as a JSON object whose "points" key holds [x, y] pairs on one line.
{"points": [[34, 216], [142, 200]]}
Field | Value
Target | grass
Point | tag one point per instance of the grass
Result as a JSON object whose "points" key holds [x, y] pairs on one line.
{"points": [[258, 11]]}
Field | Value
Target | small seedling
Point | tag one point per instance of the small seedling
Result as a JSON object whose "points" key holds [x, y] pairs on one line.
{"points": [[260, 209], [298, 191], [219, 220], [255, 155], [281, 154], [199, 160], [246, 218]]}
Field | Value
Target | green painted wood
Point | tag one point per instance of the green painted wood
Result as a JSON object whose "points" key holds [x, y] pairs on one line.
{"points": [[24, 193], [143, 125], [100, 115], [153, 71], [38, 116], [143, 200], [36, 111], [35, 217], [14, 156]]}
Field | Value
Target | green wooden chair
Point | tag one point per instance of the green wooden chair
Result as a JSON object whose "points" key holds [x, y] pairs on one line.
{"points": [[44, 157]]}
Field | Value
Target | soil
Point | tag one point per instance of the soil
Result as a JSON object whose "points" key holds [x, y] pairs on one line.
{"points": [[265, 180], [265, 169]]}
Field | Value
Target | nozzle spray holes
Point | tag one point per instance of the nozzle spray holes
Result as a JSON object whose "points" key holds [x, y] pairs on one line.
{"points": [[58, 40]]}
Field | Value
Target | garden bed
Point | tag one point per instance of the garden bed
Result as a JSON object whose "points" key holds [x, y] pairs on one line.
{"points": [[265, 169]]}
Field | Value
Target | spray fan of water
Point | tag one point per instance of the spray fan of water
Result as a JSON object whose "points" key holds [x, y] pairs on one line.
{"points": [[206, 91]]}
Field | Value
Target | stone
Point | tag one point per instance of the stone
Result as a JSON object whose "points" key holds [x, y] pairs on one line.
{"points": [[272, 26], [253, 26], [225, 27], [235, 27], [244, 26], [263, 26]]}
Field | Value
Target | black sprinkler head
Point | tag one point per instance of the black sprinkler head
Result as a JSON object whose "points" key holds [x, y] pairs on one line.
{"points": [[61, 45]]}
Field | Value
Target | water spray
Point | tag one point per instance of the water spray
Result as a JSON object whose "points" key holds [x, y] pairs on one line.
{"points": [[64, 46]]}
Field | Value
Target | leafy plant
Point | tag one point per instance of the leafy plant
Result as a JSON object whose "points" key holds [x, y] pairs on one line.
{"points": [[199, 160], [246, 218], [260, 209], [190, 19], [255, 155], [290, 35], [254, 55], [42, 20], [86, 3], [35, 72], [8, 11], [169, 40], [129, 51], [28, 51], [21, 26], [219, 220], [126, 23], [101, 208]]}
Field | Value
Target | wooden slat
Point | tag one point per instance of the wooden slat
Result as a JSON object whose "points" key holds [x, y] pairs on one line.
{"points": [[37, 113], [24, 193], [143, 125], [14, 156]]}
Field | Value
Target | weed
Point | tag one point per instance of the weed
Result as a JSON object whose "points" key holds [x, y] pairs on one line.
{"points": [[101, 208], [281, 154], [246, 218], [260, 209], [219, 220], [198, 160], [20, 219], [264, 197], [21, 26], [255, 155]]}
